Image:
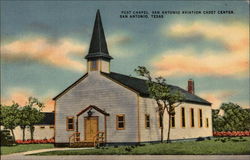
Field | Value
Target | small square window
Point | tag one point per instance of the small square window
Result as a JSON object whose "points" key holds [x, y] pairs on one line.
{"points": [[70, 123], [120, 122]]}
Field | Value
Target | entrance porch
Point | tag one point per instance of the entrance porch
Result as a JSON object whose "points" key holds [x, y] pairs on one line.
{"points": [[92, 136]]}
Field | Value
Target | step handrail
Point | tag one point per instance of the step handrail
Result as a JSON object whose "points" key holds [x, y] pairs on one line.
{"points": [[75, 136], [99, 138]]}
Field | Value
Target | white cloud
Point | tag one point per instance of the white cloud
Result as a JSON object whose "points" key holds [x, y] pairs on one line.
{"points": [[60, 53], [231, 62], [186, 61]]}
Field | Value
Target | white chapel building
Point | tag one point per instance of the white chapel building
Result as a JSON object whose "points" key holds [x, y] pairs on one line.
{"points": [[119, 106]]}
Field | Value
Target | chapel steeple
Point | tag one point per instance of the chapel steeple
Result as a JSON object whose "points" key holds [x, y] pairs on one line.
{"points": [[98, 56]]}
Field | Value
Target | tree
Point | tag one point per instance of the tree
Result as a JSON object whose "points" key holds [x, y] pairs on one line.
{"points": [[234, 118], [9, 117], [166, 99], [24, 114], [34, 107]]}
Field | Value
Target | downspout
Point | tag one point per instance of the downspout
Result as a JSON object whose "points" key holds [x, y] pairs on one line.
{"points": [[138, 119], [76, 123]]}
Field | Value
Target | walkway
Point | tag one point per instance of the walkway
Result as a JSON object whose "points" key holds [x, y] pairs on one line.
{"points": [[129, 157], [25, 156]]}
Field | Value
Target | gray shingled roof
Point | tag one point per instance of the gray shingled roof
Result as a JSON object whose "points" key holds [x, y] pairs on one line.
{"points": [[140, 86], [48, 119]]}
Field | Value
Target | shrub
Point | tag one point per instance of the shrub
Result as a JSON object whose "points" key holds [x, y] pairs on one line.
{"points": [[200, 139], [6, 138], [43, 141], [231, 134]]}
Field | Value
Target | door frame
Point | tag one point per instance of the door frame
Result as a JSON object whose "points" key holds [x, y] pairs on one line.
{"points": [[85, 118]]}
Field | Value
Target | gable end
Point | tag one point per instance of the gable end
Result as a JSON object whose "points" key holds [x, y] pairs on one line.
{"points": [[71, 86]]}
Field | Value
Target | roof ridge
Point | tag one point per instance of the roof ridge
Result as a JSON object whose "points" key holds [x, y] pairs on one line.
{"points": [[129, 76], [143, 79]]}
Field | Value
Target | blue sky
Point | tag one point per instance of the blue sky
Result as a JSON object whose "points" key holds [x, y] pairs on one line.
{"points": [[43, 44]]}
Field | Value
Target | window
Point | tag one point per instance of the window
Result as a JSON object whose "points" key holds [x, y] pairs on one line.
{"points": [[70, 123], [200, 118], [147, 121], [207, 123], [120, 122], [160, 121], [172, 121], [42, 127], [183, 123], [192, 117], [93, 65]]}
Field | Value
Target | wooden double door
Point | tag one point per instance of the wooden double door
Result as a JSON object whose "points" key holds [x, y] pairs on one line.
{"points": [[90, 128]]}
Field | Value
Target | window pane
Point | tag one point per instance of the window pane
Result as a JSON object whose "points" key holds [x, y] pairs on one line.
{"points": [[70, 120], [173, 121], [183, 117], [200, 113], [192, 117], [120, 118], [160, 121], [120, 125], [147, 121], [70, 126]]}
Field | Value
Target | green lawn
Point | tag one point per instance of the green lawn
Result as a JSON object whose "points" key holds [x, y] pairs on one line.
{"points": [[23, 148], [233, 146]]}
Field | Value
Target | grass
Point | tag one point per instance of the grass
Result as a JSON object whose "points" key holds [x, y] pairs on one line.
{"points": [[23, 148], [208, 147]]}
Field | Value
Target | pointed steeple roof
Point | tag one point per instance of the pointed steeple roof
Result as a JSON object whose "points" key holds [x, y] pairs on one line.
{"points": [[98, 45]]}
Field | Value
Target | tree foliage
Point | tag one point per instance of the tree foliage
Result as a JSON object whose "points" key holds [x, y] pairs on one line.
{"points": [[23, 116], [34, 107], [166, 99], [233, 118], [9, 118]]}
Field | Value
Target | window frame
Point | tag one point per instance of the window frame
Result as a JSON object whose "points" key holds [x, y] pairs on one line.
{"points": [[207, 123], [192, 123], [200, 118], [67, 123], [117, 121], [160, 122], [147, 121], [171, 121], [183, 117]]}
